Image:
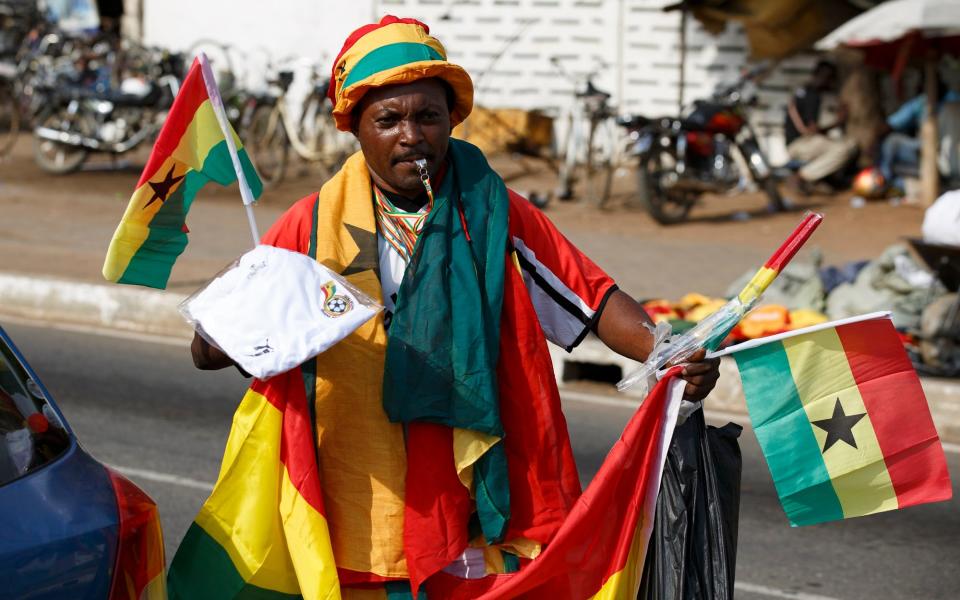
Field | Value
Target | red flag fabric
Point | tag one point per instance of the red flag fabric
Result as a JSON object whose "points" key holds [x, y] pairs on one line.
{"points": [[600, 548], [542, 472]]}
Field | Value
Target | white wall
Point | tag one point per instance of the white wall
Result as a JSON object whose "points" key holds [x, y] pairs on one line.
{"points": [[312, 30], [632, 45], [505, 44]]}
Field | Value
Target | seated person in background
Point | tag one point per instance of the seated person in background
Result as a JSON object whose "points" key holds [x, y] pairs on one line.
{"points": [[900, 149], [807, 141]]}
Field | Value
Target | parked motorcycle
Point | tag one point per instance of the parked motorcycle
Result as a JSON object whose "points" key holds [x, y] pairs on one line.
{"points": [[713, 149], [86, 114]]}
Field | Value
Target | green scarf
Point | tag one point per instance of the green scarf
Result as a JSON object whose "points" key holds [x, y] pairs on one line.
{"points": [[444, 340]]}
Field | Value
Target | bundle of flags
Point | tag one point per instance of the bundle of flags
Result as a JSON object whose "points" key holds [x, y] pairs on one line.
{"points": [[262, 533], [191, 150]]}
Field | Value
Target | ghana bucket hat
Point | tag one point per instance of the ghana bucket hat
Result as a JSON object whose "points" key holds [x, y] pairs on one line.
{"points": [[393, 52]]}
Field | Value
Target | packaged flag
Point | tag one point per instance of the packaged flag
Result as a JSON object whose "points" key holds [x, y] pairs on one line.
{"points": [[273, 309]]}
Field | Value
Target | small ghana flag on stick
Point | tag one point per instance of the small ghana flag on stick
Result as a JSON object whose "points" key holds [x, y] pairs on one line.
{"points": [[842, 420], [191, 150]]}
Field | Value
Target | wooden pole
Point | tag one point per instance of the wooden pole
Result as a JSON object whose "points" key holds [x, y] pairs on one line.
{"points": [[683, 58], [929, 137]]}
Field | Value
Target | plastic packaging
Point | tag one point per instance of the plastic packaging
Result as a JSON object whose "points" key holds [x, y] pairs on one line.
{"points": [[273, 309], [668, 349]]}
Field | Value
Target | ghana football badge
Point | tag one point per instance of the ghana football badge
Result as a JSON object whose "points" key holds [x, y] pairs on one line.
{"points": [[334, 304]]}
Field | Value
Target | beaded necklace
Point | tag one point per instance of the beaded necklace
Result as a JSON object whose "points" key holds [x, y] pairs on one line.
{"points": [[399, 228]]}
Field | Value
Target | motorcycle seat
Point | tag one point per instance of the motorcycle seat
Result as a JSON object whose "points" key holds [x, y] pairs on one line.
{"points": [[633, 121], [593, 92], [137, 100], [115, 96]]}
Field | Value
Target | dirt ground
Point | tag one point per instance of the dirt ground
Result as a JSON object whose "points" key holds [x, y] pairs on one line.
{"points": [[61, 226]]}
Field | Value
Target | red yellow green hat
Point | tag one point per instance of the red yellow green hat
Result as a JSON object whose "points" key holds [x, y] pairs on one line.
{"points": [[391, 52]]}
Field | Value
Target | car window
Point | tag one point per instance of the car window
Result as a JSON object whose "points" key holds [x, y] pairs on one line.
{"points": [[31, 433]]}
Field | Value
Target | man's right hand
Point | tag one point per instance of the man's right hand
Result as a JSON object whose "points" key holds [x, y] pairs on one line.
{"points": [[207, 356]]}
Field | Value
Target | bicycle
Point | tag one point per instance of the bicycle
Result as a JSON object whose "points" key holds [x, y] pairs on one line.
{"points": [[270, 131], [234, 90], [588, 156]]}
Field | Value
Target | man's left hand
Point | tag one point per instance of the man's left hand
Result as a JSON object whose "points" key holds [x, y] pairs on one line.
{"points": [[701, 375]]}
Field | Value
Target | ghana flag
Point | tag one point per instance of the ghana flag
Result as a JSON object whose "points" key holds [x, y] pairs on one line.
{"points": [[190, 151], [842, 420], [262, 533]]}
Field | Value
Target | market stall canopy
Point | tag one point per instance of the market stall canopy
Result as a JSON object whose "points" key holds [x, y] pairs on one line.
{"points": [[775, 28], [894, 32], [896, 20]]}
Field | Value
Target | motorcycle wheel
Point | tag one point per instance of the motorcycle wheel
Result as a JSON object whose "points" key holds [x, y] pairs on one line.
{"points": [[54, 157], [266, 141], [9, 120], [667, 207]]}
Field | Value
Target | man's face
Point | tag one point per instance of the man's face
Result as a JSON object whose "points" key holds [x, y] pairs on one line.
{"points": [[399, 124]]}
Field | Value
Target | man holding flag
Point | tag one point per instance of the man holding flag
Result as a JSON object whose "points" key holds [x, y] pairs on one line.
{"points": [[442, 452]]}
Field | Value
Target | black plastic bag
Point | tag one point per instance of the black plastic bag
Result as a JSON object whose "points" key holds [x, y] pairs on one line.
{"points": [[693, 547]]}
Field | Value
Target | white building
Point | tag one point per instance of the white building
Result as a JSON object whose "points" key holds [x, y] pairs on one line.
{"points": [[507, 45]]}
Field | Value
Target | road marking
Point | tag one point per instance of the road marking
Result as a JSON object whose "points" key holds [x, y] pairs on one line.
{"points": [[770, 592], [100, 331], [629, 403], [164, 478]]}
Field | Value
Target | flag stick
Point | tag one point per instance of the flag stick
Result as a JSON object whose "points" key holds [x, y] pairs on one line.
{"points": [[214, 92], [883, 314], [779, 259], [711, 331]]}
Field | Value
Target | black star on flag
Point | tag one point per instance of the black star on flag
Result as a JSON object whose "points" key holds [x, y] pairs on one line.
{"points": [[161, 189], [839, 426], [366, 258]]}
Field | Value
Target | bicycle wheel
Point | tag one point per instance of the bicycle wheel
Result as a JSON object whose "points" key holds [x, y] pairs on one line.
{"points": [[267, 144], [601, 163], [9, 120], [589, 176]]}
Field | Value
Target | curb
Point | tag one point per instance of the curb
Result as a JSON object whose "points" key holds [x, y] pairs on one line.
{"points": [[154, 312], [117, 307]]}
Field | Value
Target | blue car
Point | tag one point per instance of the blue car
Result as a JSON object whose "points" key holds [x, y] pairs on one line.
{"points": [[70, 527]]}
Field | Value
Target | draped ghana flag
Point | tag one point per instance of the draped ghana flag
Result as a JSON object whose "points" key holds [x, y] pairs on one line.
{"points": [[842, 420], [190, 151], [262, 532], [600, 548]]}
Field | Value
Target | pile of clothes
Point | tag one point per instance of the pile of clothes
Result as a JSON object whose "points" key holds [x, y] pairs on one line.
{"points": [[806, 293]]}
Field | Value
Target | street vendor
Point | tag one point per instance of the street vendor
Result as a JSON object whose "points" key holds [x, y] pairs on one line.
{"points": [[474, 280]]}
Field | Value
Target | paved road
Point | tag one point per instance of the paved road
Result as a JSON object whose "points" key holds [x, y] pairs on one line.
{"points": [[142, 406]]}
